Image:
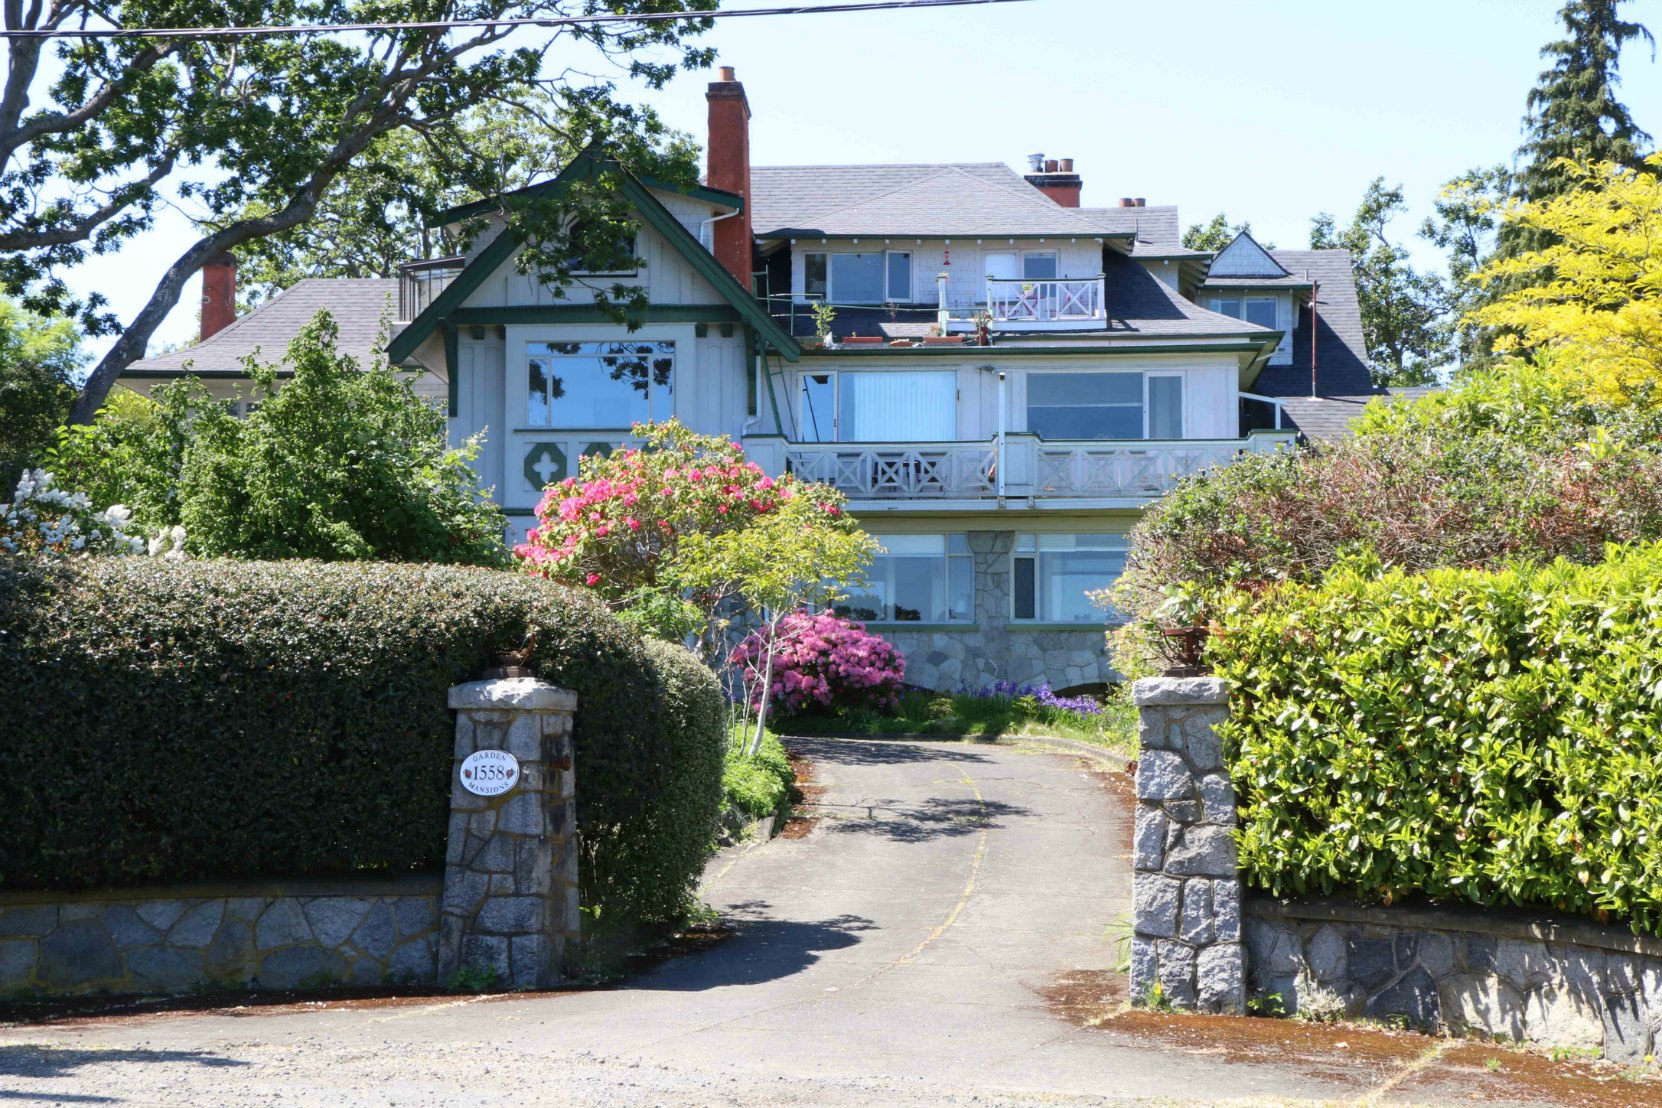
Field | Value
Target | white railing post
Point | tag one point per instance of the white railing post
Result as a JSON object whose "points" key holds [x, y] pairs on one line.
{"points": [[1100, 306], [943, 314]]}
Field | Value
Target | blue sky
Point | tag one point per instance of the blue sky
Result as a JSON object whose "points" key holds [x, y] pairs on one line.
{"points": [[1270, 111]]}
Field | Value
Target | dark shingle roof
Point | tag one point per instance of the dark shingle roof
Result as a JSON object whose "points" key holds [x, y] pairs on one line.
{"points": [[363, 309], [1140, 303], [1156, 228], [918, 200], [1341, 352]]}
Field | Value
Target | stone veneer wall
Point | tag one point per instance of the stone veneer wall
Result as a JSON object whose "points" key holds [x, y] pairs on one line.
{"points": [[1568, 983], [994, 649], [506, 903], [243, 935], [1186, 889]]}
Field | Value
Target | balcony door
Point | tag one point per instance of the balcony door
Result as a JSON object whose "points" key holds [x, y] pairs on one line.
{"points": [[879, 406]]}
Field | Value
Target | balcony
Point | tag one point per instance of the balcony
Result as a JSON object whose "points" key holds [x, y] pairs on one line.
{"points": [[1023, 467], [419, 283], [1062, 304]]}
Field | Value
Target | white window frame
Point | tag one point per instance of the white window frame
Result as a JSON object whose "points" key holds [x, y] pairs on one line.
{"points": [[1273, 301], [830, 295], [948, 554], [1028, 547], [634, 252], [1147, 405], [528, 351], [1056, 254]]}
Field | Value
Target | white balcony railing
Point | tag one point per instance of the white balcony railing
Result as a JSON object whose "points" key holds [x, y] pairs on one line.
{"points": [[1058, 301], [1033, 468]]}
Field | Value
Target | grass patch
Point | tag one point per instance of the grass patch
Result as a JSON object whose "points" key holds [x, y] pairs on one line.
{"points": [[1109, 722]]}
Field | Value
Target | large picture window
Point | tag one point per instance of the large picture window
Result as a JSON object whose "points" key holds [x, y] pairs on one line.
{"points": [[1105, 405], [866, 277], [1052, 575], [885, 405], [919, 578], [599, 385], [1253, 309]]}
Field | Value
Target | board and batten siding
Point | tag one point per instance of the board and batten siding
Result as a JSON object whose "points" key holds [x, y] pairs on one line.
{"points": [[665, 274]]}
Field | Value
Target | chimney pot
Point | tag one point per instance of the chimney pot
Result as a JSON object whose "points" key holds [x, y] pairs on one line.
{"points": [[1127, 202], [727, 73], [1050, 165], [1067, 165], [1142, 201], [1036, 163], [219, 295]]}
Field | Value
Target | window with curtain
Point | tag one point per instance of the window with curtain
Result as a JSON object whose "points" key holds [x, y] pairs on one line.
{"points": [[599, 385], [1052, 575], [918, 578], [899, 406], [1038, 266], [1088, 406]]}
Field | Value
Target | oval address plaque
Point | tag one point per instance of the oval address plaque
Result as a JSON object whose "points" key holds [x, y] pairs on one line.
{"points": [[489, 772]]}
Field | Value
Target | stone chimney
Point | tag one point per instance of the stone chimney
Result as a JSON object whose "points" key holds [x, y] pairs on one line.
{"points": [[1056, 179], [219, 294], [728, 169]]}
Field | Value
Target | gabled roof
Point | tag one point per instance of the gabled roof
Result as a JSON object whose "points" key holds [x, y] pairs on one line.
{"points": [[585, 166], [1243, 257], [718, 197], [1341, 349], [363, 310], [1140, 303], [924, 201]]}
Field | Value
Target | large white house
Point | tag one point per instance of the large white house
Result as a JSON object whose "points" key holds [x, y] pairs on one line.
{"points": [[1012, 377]]}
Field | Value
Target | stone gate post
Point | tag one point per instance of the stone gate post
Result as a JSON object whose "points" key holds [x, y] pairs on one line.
{"points": [[1186, 889], [510, 873]]}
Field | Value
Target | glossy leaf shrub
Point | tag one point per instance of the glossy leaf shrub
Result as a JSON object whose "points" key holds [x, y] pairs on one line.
{"points": [[1489, 737], [213, 719]]}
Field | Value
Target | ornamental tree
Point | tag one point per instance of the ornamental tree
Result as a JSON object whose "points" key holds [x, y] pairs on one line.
{"points": [[687, 524]]}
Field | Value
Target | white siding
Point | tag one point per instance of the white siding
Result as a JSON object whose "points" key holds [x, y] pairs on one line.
{"points": [[479, 403], [665, 274]]}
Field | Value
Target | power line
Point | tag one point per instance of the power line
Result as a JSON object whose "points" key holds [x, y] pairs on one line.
{"points": [[449, 24]]}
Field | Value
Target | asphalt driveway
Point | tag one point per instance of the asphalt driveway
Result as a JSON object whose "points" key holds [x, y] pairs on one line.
{"points": [[942, 933]]}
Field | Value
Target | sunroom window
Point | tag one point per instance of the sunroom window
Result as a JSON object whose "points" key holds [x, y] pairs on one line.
{"points": [[599, 385], [1105, 405], [863, 277], [919, 578], [1259, 310], [1052, 575]]}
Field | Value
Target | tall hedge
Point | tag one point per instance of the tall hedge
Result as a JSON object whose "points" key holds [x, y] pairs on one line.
{"points": [[200, 720], [1491, 737]]}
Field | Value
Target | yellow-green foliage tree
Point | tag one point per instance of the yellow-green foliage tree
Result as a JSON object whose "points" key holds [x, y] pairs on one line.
{"points": [[1592, 297]]}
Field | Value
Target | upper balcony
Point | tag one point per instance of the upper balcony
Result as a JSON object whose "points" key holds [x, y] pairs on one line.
{"points": [[1016, 467], [1058, 304], [419, 283]]}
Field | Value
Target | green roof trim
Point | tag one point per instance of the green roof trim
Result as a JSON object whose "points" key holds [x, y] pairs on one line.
{"points": [[1268, 342], [586, 165]]}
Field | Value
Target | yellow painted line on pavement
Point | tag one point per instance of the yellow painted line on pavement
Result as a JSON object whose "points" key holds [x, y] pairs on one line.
{"points": [[969, 885], [1412, 1069]]}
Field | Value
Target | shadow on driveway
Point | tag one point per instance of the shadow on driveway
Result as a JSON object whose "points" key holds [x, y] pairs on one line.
{"points": [[47, 1062], [884, 752], [935, 818], [763, 950]]}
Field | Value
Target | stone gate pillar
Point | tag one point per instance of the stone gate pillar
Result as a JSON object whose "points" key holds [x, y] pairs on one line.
{"points": [[510, 872], [1186, 889]]}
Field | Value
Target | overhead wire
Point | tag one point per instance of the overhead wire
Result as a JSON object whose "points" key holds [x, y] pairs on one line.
{"points": [[457, 24]]}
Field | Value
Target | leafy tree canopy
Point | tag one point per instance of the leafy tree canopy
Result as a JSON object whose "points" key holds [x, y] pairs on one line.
{"points": [[249, 134], [1402, 308], [1592, 294], [40, 360], [1215, 234]]}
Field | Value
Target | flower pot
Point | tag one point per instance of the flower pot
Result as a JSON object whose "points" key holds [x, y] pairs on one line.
{"points": [[863, 340], [943, 340], [901, 342], [1190, 641]]}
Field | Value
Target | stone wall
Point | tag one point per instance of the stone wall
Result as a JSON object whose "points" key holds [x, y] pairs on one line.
{"points": [[1186, 890], [244, 935], [1535, 979], [505, 908], [510, 875], [993, 649]]}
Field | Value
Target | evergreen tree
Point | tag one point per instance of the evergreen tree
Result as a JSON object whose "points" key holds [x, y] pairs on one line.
{"points": [[1573, 110]]}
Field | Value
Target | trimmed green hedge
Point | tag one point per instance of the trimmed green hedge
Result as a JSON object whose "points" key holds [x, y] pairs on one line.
{"points": [[1493, 737], [200, 720]]}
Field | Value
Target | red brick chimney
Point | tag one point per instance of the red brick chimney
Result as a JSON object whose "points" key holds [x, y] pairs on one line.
{"points": [[1056, 179], [729, 170], [219, 294]]}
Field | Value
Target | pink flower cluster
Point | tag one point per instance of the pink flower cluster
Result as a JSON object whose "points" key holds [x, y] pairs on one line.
{"points": [[822, 662], [629, 507]]}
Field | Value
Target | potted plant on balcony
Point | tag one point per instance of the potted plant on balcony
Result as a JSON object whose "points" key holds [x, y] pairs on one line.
{"points": [[983, 328], [864, 340], [940, 338], [824, 316]]}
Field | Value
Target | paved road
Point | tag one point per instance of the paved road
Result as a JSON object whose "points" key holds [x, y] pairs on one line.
{"points": [[942, 935]]}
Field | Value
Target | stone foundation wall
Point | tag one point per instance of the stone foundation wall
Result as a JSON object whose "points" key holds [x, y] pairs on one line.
{"points": [[993, 648], [1531, 979], [242, 936]]}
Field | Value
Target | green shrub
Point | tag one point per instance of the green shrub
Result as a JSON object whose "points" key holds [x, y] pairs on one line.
{"points": [[1493, 737], [759, 785], [176, 721]]}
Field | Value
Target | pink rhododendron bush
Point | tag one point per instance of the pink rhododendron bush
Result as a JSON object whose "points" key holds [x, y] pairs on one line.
{"points": [[821, 663]]}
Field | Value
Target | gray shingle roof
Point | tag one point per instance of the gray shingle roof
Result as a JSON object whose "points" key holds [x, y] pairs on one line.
{"points": [[1140, 303], [1156, 228], [363, 308], [919, 200], [1341, 352]]}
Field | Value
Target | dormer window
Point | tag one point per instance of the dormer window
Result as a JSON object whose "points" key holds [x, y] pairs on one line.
{"points": [[1253, 309], [861, 277]]}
